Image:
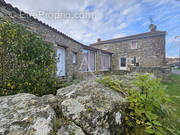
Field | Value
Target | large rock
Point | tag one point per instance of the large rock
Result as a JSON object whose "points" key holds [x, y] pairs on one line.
{"points": [[70, 129], [51, 100], [93, 107], [25, 114]]}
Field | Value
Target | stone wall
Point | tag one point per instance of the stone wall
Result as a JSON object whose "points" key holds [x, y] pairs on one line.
{"points": [[150, 51], [49, 34], [160, 72]]}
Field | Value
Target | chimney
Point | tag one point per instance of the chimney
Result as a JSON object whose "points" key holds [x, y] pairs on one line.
{"points": [[98, 40], [152, 27]]}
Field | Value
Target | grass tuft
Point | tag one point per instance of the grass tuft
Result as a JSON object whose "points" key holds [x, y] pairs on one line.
{"points": [[173, 90]]}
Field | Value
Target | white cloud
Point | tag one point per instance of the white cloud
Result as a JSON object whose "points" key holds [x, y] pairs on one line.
{"points": [[119, 35], [132, 10], [122, 26], [85, 31], [172, 57], [171, 40], [139, 18], [113, 18]]}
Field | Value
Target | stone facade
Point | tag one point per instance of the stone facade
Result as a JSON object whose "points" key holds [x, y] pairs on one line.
{"points": [[49, 34], [150, 51], [52, 35], [160, 72]]}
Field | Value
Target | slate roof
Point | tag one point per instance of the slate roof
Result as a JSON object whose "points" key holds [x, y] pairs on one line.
{"points": [[132, 37]]}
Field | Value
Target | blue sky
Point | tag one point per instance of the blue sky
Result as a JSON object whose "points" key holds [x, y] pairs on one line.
{"points": [[111, 18]]}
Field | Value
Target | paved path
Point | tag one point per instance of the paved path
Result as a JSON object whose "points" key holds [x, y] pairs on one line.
{"points": [[176, 71]]}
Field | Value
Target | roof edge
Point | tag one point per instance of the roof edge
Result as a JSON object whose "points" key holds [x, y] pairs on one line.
{"points": [[96, 49], [131, 37], [8, 5]]}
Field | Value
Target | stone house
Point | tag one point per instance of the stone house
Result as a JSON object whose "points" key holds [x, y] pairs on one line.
{"points": [[142, 50], [75, 58]]}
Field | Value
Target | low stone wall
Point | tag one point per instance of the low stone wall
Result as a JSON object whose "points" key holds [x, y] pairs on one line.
{"points": [[112, 72], [89, 75], [160, 72]]}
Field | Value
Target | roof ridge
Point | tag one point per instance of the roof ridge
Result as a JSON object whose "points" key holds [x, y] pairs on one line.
{"points": [[8, 5], [130, 36]]}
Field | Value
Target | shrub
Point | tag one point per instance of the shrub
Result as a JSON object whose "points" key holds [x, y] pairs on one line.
{"points": [[26, 61], [146, 111]]}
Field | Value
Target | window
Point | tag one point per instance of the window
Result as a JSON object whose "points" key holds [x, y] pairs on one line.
{"points": [[134, 45], [85, 61], [105, 61], [133, 60], [105, 48], [92, 61], [88, 63], [74, 60]]}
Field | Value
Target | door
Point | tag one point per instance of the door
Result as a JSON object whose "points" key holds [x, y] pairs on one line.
{"points": [[92, 60], [61, 68], [84, 65], [105, 62], [123, 63]]}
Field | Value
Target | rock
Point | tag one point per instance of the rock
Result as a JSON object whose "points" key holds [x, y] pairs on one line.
{"points": [[70, 129], [25, 114], [1, 15], [93, 107], [51, 100]]}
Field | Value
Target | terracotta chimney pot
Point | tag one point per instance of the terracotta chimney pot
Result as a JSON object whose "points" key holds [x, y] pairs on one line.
{"points": [[99, 40], [152, 27]]}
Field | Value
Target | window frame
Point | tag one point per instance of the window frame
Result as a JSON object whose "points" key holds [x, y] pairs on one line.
{"points": [[74, 55], [134, 59], [104, 54], [88, 61], [136, 45]]}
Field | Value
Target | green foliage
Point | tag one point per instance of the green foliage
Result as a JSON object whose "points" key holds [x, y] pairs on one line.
{"points": [[173, 90], [63, 85], [74, 76], [90, 109], [146, 111], [60, 120], [26, 62], [113, 84], [146, 106]]}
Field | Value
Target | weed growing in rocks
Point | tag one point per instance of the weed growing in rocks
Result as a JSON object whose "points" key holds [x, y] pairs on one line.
{"points": [[146, 111]]}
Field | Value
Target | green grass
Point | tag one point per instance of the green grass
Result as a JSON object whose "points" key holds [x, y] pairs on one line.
{"points": [[173, 90]]}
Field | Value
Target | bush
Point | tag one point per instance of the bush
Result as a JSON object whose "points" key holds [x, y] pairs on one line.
{"points": [[146, 111], [26, 62]]}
